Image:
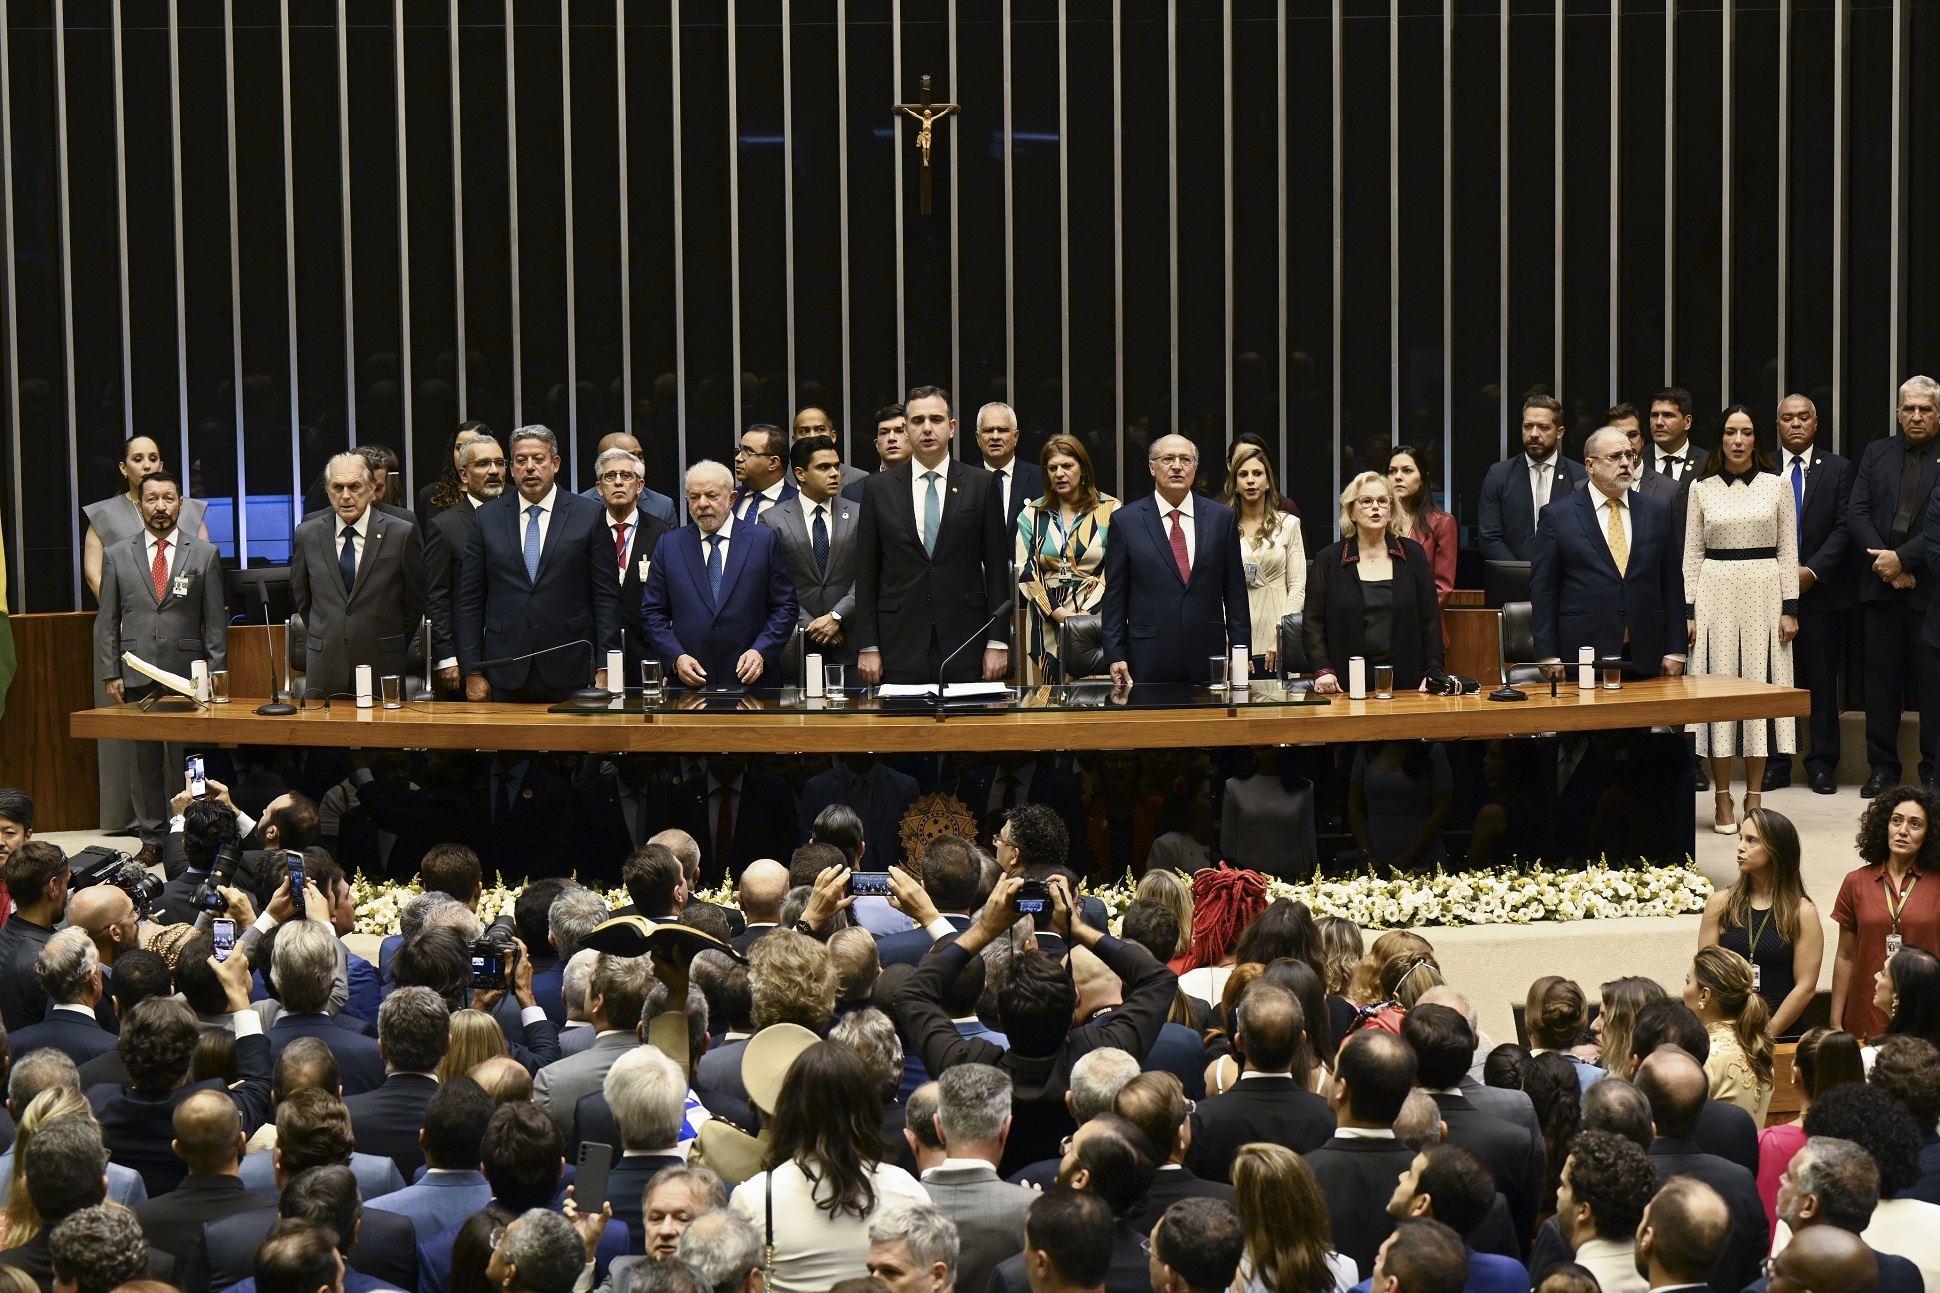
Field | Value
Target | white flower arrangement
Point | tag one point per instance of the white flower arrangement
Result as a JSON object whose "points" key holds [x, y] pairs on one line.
{"points": [[1500, 896]]}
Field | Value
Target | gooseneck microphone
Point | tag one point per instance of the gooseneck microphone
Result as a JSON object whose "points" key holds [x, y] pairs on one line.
{"points": [[277, 707], [982, 632], [587, 696]]}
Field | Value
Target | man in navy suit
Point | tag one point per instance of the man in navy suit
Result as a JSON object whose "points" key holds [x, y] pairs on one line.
{"points": [[1175, 589], [1674, 453], [304, 966], [719, 604], [952, 874], [69, 972], [1606, 570], [1017, 482], [1821, 485], [1510, 490], [537, 573], [1890, 489], [452, 1187], [761, 478], [932, 561]]}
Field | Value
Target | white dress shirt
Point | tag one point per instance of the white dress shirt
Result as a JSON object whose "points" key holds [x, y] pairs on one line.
{"points": [[546, 505], [632, 523], [1006, 477], [808, 506], [1185, 524], [919, 490], [1785, 457], [1542, 479], [174, 559], [359, 530], [726, 533], [1677, 471]]}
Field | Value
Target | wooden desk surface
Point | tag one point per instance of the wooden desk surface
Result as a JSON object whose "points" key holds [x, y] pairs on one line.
{"points": [[456, 725]]}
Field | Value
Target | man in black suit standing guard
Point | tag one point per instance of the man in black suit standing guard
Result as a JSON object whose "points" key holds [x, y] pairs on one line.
{"points": [[1515, 491], [932, 564], [538, 573], [1821, 485]]}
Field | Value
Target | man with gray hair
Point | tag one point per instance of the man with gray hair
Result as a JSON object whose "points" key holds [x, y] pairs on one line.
{"points": [[578, 1032], [1835, 1183], [537, 575], [1017, 482], [652, 502], [973, 1119], [1096, 1079], [481, 469], [647, 1094], [913, 1249], [69, 971], [633, 534], [413, 1029], [303, 969], [615, 997], [719, 603], [540, 1252], [357, 579], [725, 1249]]}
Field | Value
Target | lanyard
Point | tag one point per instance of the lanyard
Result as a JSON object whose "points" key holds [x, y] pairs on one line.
{"points": [[1758, 931], [1893, 908]]}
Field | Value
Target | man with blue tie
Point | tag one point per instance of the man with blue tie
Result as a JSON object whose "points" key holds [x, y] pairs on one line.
{"points": [[761, 472], [1821, 484], [1515, 491], [537, 575], [719, 605]]}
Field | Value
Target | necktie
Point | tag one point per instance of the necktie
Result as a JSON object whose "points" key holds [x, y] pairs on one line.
{"points": [[347, 559], [1672, 465], [754, 507], [1619, 545], [1541, 486], [932, 509], [714, 567], [724, 827], [1003, 488], [159, 571], [532, 542], [1179, 548], [619, 545], [1798, 497], [821, 540]]}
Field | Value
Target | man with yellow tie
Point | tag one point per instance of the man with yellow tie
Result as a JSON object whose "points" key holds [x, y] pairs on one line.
{"points": [[1606, 570]]}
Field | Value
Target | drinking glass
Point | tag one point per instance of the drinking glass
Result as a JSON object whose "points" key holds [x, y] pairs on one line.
{"points": [[652, 685], [391, 686], [835, 681], [1612, 673], [1216, 672], [1384, 682], [219, 686]]}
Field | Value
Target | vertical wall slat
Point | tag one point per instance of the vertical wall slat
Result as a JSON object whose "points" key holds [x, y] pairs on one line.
{"points": [[1394, 221], [1172, 192], [1226, 171], [680, 256], [626, 227], [458, 202], [1335, 35], [235, 281], [406, 387], [1064, 221], [512, 205], [289, 278], [788, 203], [1616, 203], [1727, 160], [65, 234], [350, 269], [1117, 234], [1784, 266], [1841, 30], [1670, 192], [121, 239], [572, 284], [16, 549], [842, 183], [734, 219]]}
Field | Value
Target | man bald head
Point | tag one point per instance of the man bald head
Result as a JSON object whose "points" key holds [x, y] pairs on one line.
{"points": [[1683, 1233], [107, 913], [686, 848], [1098, 988], [1676, 1087], [1443, 995], [209, 1134], [504, 1079], [1822, 1258], [620, 440], [763, 885]]}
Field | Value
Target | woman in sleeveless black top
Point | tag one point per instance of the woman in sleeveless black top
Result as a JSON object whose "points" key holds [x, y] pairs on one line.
{"points": [[1767, 918]]}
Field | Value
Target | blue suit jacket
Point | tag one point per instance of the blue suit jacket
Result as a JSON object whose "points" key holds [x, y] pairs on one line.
{"points": [[756, 611], [912, 945], [1506, 525], [1578, 599], [434, 1255], [360, 1064], [365, 995], [1164, 627], [80, 1038], [437, 1202], [499, 611], [549, 990], [377, 1176]]}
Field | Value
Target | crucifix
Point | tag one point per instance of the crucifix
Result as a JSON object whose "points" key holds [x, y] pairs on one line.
{"points": [[926, 115]]}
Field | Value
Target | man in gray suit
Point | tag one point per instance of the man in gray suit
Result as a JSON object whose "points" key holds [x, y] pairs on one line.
{"points": [[817, 529], [357, 578], [973, 1115], [161, 598], [615, 996]]}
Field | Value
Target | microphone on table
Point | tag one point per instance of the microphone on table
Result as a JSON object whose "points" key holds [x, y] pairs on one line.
{"points": [[982, 632], [587, 696], [277, 707]]}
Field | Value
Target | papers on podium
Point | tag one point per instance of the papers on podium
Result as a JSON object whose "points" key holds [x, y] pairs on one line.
{"points": [[956, 690]]}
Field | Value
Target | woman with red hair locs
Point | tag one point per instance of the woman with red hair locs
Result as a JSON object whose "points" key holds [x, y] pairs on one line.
{"points": [[1225, 900]]}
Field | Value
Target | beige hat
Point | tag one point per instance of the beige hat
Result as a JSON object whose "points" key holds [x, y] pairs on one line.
{"points": [[765, 1064]]}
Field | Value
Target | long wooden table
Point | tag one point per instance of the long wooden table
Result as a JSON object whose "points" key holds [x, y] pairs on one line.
{"points": [[1657, 702]]}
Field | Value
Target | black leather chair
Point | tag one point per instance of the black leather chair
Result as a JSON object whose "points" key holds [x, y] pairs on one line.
{"points": [[1081, 647], [1515, 645], [1293, 644], [1504, 582]]}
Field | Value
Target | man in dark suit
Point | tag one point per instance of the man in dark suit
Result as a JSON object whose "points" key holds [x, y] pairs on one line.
{"points": [[761, 476], [892, 448], [1676, 1087], [304, 967], [357, 578], [1373, 1073], [736, 811], [1606, 571], [878, 793], [1018, 482], [647, 1095], [68, 971], [209, 1138], [37, 877], [1625, 418], [452, 1187], [932, 562], [653, 503], [1266, 1103], [633, 534], [1511, 489], [537, 573], [952, 874], [65, 1170], [1891, 488], [157, 1040], [818, 531], [1108, 1160], [1175, 588], [380, 1246], [442, 538], [1156, 1104], [1821, 485], [718, 603], [1443, 1046], [1723, 1129], [413, 1028], [1673, 453]]}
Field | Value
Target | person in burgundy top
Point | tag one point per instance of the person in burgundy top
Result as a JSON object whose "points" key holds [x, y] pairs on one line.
{"points": [[1884, 905]]}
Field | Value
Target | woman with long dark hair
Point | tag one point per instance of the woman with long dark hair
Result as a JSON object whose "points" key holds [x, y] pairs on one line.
{"points": [[1882, 906], [1907, 991], [823, 1176], [1824, 1059], [1270, 548], [1741, 596], [1550, 1082], [1285, 928], [1767, 917], [1060, 546], [1313, 1061], [1417, 516]]}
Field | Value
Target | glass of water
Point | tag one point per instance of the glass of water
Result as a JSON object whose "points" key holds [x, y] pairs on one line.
{"points": [[835, 681], [391, 687], [219, 686], [652, 683], [1216, 672]]}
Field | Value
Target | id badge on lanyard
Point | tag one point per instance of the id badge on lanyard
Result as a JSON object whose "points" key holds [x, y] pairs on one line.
{"points": [[1893, 944]]}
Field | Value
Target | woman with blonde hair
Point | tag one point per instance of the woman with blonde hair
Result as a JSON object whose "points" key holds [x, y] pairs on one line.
{"points": [[1620, 1000], [1364, 988], [1270, 548], [475, 1038], [1284, 1216], [1169, 888], [20, 1221], [1372, 594], [1718, 990], [1060, 547]]}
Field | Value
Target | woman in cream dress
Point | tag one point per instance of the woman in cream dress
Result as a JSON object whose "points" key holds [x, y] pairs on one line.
{"points": [[1271, 549]]}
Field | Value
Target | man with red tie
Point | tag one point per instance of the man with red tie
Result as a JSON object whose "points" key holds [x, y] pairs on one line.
{"points": [[620, 476]]}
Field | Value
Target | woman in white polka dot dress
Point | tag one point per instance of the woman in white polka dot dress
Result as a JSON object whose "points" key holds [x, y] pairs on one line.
{"points": [[1741, 584]]}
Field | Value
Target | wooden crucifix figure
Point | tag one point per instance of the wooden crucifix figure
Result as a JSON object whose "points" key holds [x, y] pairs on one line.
{"points": [[926, 115]]}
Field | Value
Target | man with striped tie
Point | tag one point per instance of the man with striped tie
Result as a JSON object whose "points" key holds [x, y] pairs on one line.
{"points": [[817, 530]]}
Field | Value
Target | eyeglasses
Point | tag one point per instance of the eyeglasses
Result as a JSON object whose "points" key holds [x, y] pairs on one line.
{"points": [[615, 477], [1630, 456], [745, 452], [1373, 502], [1176, 459]]}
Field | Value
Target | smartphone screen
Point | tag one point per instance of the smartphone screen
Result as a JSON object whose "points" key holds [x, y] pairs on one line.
{"points": [[589, 1176], [225, 935], [869, 883], [198, 780], [295, 861]]}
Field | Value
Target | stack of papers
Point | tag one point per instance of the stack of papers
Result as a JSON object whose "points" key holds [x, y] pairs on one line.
{"points": [[955, 691]]}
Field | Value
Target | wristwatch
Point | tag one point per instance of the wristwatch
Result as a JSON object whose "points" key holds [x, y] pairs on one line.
{"points": [[803, 927]]}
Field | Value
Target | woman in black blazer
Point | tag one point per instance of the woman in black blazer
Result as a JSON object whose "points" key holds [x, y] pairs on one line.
{"points": [[1372, 594]]}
